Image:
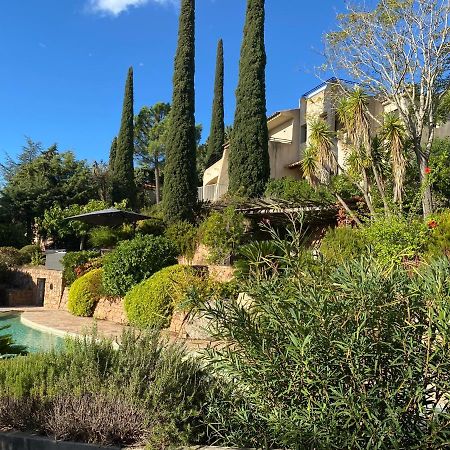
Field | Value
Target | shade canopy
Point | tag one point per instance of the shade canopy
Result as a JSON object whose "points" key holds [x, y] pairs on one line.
{"points": [[109, 217]]}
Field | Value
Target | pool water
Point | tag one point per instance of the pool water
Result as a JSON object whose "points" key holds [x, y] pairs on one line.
{"points": [[35, 341]]}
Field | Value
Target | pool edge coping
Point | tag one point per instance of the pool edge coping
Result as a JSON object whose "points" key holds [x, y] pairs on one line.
{"points": [[45, 328]]}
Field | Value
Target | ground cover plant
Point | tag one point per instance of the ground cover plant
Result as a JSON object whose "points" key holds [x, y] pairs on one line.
{"points": [[143, 392]]}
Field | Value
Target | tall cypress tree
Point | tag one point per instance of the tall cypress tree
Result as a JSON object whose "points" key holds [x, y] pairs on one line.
{"points": [[217, 133], [112, 154], [180, 174], [249, 165], [123, 184]]}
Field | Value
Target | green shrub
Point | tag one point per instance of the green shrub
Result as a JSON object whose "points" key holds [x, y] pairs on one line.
{"points": [[297, 191], [72, 260], [10, 256], [133, 261], [395, 239], [144, 391], [103, 237], [342, 244], [156, 227], [184, 235], [349, 357], [439, 240], [222, 232], [85, 292], [151, 302], [31, 253]]}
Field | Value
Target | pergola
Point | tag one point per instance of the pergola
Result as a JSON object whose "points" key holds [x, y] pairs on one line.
{"points": [[109, 217]]}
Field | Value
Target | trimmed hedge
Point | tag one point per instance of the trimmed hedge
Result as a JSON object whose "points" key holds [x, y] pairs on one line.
{"points": [[85, 292], [151, 302], [134, 261]]}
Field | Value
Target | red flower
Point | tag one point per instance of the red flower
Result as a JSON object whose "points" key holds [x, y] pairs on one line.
{"points": [[432, 224], [427, 170]]}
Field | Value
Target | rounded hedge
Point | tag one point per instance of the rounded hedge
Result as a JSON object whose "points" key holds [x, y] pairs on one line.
{"points": [[151, 302], [85, 292], [28, 252], [134, 261]]}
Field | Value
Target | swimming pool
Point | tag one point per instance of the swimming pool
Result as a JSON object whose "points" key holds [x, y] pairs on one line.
{"points": [[35, 341]]}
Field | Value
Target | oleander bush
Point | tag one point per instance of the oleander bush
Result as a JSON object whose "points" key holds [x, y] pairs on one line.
{"points": [[338, 356], [184, 236], [85, 292], [72, 260], [145, 391], [151, 302], [134, 261]]}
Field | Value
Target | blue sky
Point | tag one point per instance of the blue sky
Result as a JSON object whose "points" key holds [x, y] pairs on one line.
{"points": [[64, 63]]}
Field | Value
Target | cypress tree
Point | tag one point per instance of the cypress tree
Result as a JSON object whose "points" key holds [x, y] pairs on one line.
{"points": [[112, 154], [249, 165], [217, 133], [180, 174], [123, 184]]}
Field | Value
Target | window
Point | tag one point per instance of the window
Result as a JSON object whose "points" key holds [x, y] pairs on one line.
{"points": [[303, 133]]}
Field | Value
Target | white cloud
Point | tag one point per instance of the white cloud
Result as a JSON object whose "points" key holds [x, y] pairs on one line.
{"points": [[115, 7]]}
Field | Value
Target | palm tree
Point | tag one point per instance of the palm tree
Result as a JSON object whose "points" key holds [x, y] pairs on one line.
{"points": [[309, 165], [393, 135]]}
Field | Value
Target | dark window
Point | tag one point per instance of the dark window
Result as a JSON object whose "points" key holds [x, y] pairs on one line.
{"points": [[303, 132]]}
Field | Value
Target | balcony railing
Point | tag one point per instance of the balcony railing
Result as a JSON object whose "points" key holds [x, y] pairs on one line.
{"points": [[212, 192]]}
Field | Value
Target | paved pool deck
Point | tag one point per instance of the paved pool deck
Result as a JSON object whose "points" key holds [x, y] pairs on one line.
{"points": [[62, 323]]}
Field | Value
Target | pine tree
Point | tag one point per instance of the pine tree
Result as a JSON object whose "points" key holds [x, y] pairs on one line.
{"points": [[123, 184], [180, 175], [217, 133], [249, 165]]}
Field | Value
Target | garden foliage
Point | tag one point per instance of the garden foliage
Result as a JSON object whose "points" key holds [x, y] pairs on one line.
{"points": [[151, 302], [143, 392], [133, 261], [297, 191], [350, 356], [222, 232], [85, 292], [184, 235], [73, 260]]}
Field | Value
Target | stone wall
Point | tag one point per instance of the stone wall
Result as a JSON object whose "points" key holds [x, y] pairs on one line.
{"points": [[111, 309], [19, 297], [26, 278]]}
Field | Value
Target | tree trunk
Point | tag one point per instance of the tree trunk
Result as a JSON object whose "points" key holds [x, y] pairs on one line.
{"points": [[365, 191], [157, 183], [425, 187], [380, 187]]}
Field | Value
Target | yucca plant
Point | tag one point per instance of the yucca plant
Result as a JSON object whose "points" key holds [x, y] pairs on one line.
{"points": [[393, 135], [321, 140]]}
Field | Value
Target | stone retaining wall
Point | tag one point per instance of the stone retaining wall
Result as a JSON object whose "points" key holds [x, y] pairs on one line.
{"points": [[111, 309]]}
